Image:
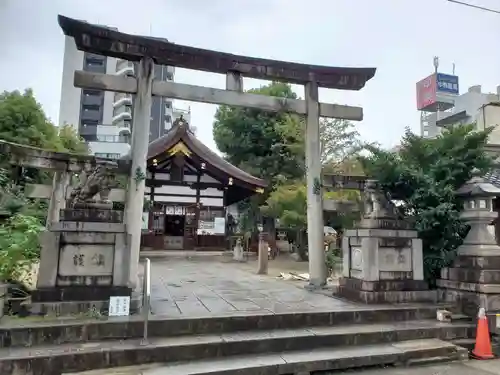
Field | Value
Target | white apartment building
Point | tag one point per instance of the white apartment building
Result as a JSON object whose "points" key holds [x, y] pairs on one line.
{"points": [[467, 108], [104, 119]]}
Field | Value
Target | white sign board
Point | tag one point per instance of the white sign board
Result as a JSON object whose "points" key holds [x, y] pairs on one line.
{"points": [[119, 306], [145, 220], [220, 225]]}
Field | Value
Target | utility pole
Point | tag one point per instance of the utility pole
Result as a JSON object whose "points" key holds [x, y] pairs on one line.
{"points": [[475, 6]]}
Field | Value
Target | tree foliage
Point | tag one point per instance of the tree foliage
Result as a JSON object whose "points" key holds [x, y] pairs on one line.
{"points": [[340, 142], [424, 174], [23, 121], [71, 141], [19, 245], [288, 203], [271, 146], [267, 145]]}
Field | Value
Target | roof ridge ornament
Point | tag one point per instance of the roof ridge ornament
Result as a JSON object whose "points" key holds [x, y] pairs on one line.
{"points": [[180, 122]]}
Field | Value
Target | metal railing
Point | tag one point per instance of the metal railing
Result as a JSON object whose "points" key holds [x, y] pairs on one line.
{"points": [[146, 297]]}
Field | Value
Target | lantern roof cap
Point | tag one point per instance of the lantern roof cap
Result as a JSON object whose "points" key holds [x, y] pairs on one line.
{"points": [[478, 185]]}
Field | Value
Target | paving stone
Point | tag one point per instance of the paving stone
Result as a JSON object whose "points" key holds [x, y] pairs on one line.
{"points": [[199, 287]]}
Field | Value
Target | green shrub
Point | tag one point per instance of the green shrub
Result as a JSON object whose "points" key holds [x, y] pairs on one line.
{"points": [[19, 245]]}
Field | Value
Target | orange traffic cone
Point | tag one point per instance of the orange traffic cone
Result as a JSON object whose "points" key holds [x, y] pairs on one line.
{"points": [[482, 349]]}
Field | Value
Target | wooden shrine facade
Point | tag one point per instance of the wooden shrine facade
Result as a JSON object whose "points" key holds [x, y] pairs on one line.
{"points": [[189, 188]]}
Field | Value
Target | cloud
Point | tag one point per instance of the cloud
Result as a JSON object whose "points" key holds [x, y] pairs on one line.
{"points": [[398, 37]]}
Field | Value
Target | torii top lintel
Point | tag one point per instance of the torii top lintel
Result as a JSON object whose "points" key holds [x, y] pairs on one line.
{"points": [[105, 41]]}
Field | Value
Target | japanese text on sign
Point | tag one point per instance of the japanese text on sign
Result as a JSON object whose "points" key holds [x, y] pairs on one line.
{"points": [[119, 306]]}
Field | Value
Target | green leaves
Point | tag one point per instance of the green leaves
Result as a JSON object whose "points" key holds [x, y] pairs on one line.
{"points": [[23, 121], [268, 145], [71, 141], [19, 246], [424, 174]]}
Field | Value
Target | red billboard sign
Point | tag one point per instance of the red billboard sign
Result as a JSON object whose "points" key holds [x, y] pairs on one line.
{"points": [[426, 92]]}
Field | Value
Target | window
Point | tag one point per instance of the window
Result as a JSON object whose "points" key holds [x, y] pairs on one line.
{"points": [[168, 118], [91, 107], [87, 123], [91, 93], [94, 61], [168, 105]]}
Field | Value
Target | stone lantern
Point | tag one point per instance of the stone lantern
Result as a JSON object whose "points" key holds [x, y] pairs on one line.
{"points": [[473, 281], [478, 213]]}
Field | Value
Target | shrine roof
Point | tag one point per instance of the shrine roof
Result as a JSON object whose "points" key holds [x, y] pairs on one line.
{"points": [[181, 133], [109, 42]]}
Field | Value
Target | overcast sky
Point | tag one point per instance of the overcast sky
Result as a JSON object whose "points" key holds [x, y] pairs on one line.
{"points": [[398, 37]]}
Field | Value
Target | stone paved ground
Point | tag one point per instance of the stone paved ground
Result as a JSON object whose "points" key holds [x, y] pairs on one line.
{"points": [[201, 287], [466, 368]]}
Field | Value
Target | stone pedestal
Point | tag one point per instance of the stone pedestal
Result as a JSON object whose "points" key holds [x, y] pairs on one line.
{"points": [[473, 281], [382, 259], [85, 259]]}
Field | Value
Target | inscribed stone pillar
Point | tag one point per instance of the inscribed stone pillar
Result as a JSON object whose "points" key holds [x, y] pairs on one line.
{"points": [[315, 235], [473, 281], [139, 149], [263, 254]]}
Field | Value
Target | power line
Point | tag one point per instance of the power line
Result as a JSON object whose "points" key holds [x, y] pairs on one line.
{"points": [[475, 6]]}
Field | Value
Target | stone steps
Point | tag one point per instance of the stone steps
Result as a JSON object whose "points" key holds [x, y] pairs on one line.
{"points": [[30, 333], [304, 362], [315, 347]]}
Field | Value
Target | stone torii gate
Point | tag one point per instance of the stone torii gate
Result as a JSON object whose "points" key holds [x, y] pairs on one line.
{"points": [[148, 51]]}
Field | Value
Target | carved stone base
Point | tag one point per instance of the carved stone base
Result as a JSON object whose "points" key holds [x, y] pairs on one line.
{"points": [[79, 293], [94, 215], [93, 205], [400, 291], [72, 300]]}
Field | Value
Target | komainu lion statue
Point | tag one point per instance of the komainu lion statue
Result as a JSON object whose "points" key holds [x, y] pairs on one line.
{"points": [[376, 203], [99, 180]]}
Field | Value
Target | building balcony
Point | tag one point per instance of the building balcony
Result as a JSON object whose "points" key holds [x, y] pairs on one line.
{"points": [[122, 116], [125, 99], [109, 150], [112, 138], [126, 71], [123, 127]]}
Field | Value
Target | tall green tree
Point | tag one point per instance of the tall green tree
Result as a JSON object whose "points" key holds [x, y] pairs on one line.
{"points": [[268, 145], [272, 145], [23, 121], [424, 175], [340, 142]]}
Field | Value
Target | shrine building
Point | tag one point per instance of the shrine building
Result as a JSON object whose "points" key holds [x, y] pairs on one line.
{"points": [[190, 189]]}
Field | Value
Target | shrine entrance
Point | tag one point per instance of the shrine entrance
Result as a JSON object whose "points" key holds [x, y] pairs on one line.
{"points": [[235, 183]]}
